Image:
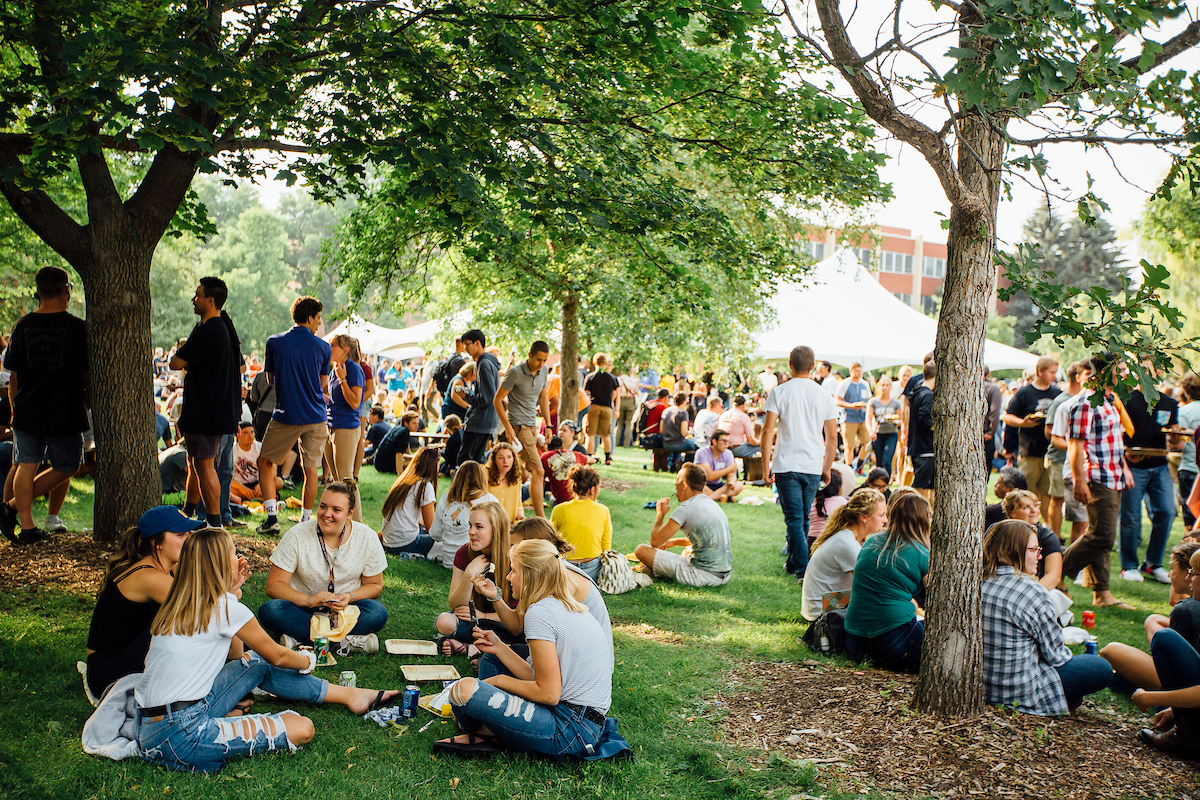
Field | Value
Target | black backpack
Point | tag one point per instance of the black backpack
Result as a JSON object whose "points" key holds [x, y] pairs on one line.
{"points": [[827, 633], [445, 370]]}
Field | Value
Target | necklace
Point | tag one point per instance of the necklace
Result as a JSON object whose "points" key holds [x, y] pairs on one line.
{"points": [[325, 552]]}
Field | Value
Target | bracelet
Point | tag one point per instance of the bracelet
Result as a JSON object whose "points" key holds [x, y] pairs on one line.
{"points": [[495, 599], [351, 595]]}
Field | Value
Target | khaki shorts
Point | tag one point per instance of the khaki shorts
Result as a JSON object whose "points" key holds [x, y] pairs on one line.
{"points": [[1073, 510], [279, 438], [599, 420], [1057, 487], [1036, 473], [527, 436], [679, 569], [855, 430]]}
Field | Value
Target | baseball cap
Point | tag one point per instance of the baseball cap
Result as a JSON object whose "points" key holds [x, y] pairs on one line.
{"points": [[166, 518]]}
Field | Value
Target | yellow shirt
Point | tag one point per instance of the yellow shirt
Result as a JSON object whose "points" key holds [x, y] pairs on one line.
{"points": [[586, 524], [510, 498]]}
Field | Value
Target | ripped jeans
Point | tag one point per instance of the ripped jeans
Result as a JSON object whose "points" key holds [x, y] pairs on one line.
{"points": [[200, 738], [518, 724]]}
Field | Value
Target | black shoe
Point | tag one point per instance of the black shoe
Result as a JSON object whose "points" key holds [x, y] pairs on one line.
{"points": [[8, 522], [30, 536]]}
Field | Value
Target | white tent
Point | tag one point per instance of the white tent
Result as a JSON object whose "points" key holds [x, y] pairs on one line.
{"points": [[394, 342], [845, 315]]}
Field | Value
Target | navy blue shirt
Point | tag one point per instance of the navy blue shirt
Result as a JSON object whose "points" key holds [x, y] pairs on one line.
{"points": [[394, 442], [375, 434], [296, 360], [341, 413]]}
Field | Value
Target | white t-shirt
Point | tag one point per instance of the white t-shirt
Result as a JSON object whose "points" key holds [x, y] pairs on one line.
{"points": [[706, 423], [245, 463], [585, 651], [451, 524], [803, 407], [299, 552], [184, 667], [1058, 425], [829, 570], [402, 526]]}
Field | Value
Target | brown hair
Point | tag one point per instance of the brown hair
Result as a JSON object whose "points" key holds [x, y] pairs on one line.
{"points": [[513, 476], [860, 505], [694, 476], [582, 479], [908, 523], [1181, 555], [1004, 545], [422, 470], [451, 423], [133, 548], [540, 528], [1191, 386], [1015, 497]]}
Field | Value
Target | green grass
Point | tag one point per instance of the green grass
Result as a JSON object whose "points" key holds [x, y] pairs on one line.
{"points": [[667, 674]]}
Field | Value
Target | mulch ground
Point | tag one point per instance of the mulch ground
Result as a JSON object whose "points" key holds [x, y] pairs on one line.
{"points": [[859, 728], [74, 562]]}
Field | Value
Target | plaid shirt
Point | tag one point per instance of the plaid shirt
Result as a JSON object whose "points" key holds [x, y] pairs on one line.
{"points": [[1100, 429], [1022, 644]]}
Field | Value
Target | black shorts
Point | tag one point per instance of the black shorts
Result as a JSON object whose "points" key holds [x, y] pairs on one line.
{"points": [[202, 445], [922, 472]]}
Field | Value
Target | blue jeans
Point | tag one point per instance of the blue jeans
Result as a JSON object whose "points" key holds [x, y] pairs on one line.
{"points": [[465, 632], [686, 446], [528, 727], [1178, 666], [1155, 485], [591, 568], [490, 665], [198, 739], [1083, 675], [1186, 479], [417, 547], [224, 467], [796, 493], [282, 616], [746, 450], [898, 650], [885, 450]]}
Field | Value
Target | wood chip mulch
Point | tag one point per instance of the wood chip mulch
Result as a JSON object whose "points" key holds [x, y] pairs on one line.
{"points": [[859, 727], [74, 562]]}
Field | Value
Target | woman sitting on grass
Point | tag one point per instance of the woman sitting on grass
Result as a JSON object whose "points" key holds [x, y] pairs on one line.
{"points": [[556, 703], [583, 522], [1177, 728], [138, 580], [485, 552], [1026, 666], [451, 518], [1022, 504], [207, 653], [504, 479], [834, 554], [408, 507], [1134, 667], [891, 571]]}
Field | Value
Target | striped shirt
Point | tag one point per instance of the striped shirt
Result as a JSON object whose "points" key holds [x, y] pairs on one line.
{"points": [[1100, 430]]}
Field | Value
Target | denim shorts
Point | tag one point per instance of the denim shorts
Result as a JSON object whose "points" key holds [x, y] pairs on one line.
{"points": [[65, 453]]}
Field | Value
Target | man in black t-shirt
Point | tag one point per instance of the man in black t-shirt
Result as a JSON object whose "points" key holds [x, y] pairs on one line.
{"points": [[212, 395], [375, 433], [1027, 412], [47, 359], [1151, 482], [602, 388]]}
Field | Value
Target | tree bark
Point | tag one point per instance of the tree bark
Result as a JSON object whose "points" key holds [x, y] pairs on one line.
{"points": [[568, 399]]}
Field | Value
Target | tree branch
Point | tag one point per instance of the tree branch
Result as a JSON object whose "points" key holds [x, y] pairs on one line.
{"points": [[1188, 38], [43, 216]]}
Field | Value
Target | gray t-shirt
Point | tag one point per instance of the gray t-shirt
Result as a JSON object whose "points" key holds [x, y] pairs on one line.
{"points": [[585, 651], [706, 527], [672, 420], [881, 409], [524, 389], [1053, 454], [829, 570], [595, 603]]}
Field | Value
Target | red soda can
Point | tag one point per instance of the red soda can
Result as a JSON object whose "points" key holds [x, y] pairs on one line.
{"points": [[1089, 619]]}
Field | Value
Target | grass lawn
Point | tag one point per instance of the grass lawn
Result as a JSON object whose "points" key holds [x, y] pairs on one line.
{"points": [[674, 649]]}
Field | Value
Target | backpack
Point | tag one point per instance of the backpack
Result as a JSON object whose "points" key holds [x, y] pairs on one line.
{"points": [[827, 633], [616, 576], [445, 370]]}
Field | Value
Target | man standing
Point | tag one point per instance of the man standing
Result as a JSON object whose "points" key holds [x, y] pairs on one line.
{"points": [[803, 456], [1027, 412], [48, 382], [851, 396], [1096, 454], [707, 559], [920, 441], [993, 395], [212, 396], [525, 387], [297, 365], [481, 414], [627, 399], [1056, 455], [1073, 511], [602, 388], [648, 382]]}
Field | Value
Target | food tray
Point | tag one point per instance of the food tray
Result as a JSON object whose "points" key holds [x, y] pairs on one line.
{"points": [[429, 672], [1146, 451], [410, 647], [1178, 430]]}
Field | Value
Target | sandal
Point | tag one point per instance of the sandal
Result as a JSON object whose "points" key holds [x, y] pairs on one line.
{"points": [[1115, 604], [241, 707], [476, 746], [379, 702], [457, 648]]}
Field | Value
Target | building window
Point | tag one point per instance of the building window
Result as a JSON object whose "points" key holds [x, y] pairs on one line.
{"points": [[903, 297], [865, 256], [928, 303], [814, 249], [934, 267], [896, 262]]}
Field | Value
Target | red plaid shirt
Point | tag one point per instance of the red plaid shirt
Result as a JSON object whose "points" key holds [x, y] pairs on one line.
{"points": [[1100, 429]]}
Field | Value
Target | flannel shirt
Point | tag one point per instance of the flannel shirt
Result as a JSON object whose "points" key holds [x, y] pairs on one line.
{"points": [[1022, 644], [1100, 429]]}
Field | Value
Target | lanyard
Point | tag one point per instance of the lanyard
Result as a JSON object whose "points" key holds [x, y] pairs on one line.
{"points": [[325, 552]]}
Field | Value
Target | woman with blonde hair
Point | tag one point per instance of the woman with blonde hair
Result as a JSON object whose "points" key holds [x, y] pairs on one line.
{"points": [[556, 703], [1026, 665], [207, 653], [583, 522], [1023, 504], [835, 552], [486, 551], [451, 518], [408, 508], [505, 479], [345, 423]]}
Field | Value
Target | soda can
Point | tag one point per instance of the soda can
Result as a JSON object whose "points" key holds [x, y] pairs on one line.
{"points": [[1091, 647], [1089, 619], [321, 648], [411, 695], [348, 678]]}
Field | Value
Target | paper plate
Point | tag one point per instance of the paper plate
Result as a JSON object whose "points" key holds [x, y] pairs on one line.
{"points": [[410, 647]]}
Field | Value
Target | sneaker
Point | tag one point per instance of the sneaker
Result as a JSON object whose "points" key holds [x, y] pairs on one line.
{"points": [[1158, 573], [1131, 575], [1078, 579], [362, 643], [233, 524], [288, 483], [288, 642], [269, 528], [8, 522], [54, 525], [30, 536]]}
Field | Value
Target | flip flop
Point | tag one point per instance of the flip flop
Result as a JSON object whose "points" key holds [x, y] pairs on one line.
{"points": [[241, 707], [1117, 604], [476, 747], [379, 702]]}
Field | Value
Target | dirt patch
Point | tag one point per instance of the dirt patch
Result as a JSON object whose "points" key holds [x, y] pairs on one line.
{"points": [[618, 487], [74, 562], [644, 631], [857, 724]]}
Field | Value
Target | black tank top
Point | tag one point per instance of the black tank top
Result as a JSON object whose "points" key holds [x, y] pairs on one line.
{"points": [[117, 620]]}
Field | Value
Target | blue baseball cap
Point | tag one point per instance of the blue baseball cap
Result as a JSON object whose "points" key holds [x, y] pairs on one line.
{"points": [[166, 518]]}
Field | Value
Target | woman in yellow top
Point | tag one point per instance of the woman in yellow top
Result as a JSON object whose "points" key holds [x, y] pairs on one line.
{"points": [[583, 522], [504, 479]]}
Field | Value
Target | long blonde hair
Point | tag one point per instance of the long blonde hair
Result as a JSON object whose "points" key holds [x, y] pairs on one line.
{"points": [[203, 575], [543, 574], [497, 551], [860, 505]]}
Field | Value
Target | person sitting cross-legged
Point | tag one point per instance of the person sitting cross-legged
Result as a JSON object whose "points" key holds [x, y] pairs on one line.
{"points": [[707, 559], [719, 467]]}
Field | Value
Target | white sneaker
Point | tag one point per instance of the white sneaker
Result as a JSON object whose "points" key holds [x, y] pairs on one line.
{"points": [[1078, 579], [288, 642], [363, 643], [1159, 574], [1132, 575], [53, 524]]}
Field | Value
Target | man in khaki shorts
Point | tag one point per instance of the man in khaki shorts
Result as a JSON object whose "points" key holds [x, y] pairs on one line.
{"points": [[1027, 412], [707, 559], [525, 388], [297, 365], [602, 388]]}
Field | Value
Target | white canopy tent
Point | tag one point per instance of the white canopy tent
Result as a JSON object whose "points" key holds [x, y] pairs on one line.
{"points": [[395, 343], [845, 315]]}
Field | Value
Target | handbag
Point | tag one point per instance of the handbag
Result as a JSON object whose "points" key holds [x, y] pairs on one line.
{"points": [[827, 633], [616, 576]]}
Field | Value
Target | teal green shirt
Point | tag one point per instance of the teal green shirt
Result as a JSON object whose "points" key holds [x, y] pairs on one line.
{"points": [[884, 586]]}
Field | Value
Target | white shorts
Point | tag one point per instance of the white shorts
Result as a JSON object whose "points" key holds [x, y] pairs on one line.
{"points": [[679, 569]]}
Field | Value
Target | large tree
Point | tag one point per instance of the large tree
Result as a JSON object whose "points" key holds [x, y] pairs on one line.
{"points": [[460, 99], [1016, 77]]}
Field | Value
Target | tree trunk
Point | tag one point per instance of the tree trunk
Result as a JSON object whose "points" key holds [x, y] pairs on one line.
{"points": [[950, 682], [568, 399]]}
